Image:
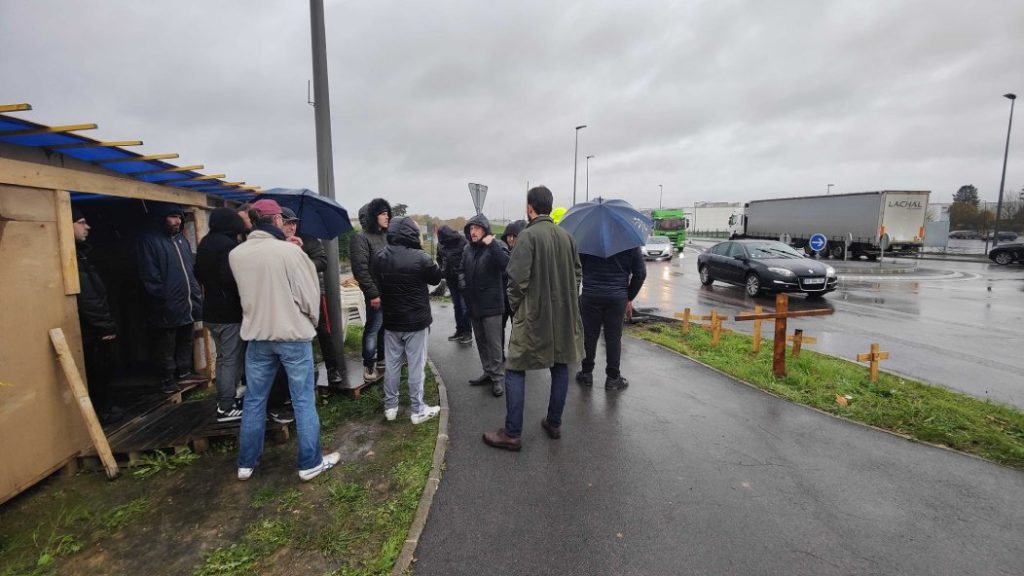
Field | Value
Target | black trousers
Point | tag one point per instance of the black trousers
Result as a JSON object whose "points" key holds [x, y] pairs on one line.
{"points": [[99, 371], [323, 336], [607, 314], [173, 351]]}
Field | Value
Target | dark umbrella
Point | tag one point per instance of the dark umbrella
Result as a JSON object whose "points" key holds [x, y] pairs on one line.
{"points": [[606, 227], [319, 216]]}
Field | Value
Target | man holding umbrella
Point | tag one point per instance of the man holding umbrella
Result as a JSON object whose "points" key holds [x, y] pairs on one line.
{"points": [[544, 275]]}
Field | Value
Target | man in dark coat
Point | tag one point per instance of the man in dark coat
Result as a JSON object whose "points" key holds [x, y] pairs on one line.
{"points": [[222, 308], [374, 218], [609, 287], [483, 266], [99, 332], [174, 299], [509, 237], [314, 248], [449, 257], [403, 270], [544, 275]]}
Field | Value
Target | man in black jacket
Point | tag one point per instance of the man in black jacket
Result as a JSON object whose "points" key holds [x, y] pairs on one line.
{"points": [[222, 313], [374, 218], [483, 266], [609, 287], [174, 298], [402, 270], [98, 329], [449, 258]]}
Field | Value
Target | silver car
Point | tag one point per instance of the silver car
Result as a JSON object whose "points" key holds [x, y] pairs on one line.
{"points": [[658, 248]]}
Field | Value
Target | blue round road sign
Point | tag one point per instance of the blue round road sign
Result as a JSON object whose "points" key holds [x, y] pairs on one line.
{"points": [[818, 242]]}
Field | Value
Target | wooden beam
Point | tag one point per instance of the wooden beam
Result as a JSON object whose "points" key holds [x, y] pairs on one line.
{"points": [[167, 156], [191, 168], [81, 393], [15, 107], [790, 314], [36, 175], [113, 144], [66, 241], [49, 130], [779, 346]]}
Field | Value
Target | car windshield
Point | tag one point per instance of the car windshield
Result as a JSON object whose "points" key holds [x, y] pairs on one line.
{"points": [[658, 240], [765, 250]]}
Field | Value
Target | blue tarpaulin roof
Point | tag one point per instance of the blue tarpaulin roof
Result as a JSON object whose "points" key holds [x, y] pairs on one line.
{"points": [[20, 132]]}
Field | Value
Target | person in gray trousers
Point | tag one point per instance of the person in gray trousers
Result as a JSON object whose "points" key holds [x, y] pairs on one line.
{"points": [[483, 265]]}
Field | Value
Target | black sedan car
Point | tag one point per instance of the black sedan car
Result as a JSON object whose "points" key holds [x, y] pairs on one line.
{"points": [[1007, 253], [765, 265]]}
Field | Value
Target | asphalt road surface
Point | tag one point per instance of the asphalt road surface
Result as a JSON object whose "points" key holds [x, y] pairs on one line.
{"points": [[956, 324]]}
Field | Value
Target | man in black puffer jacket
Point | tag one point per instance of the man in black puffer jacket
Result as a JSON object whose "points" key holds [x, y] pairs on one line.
{"points": [[609, 287], [483, 266], [374, 218], [223, 307], [402, 270], [174, 298], [449, 258]]}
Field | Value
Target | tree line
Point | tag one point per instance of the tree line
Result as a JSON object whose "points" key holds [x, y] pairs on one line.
{"points": [[968, 212]]}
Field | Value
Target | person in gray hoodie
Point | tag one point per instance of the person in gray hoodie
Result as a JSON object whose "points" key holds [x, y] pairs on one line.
{"points": [[483, 267], [374, 218]]}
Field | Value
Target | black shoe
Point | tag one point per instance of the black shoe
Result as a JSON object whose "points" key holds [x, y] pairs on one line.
{"points": [[554, 432], [232, 414], [281, 416], [615, 383], [190, 378], [585, 378], [465, 338], [455, 336], [497, 388], [335, 377], [481, 381], [169, 387]]}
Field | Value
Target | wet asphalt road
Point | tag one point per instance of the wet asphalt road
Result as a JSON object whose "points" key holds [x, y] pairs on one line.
{"points": [[690, 472], [957, 324]]}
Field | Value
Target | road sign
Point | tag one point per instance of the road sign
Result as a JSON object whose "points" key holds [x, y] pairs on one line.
{"points": [[884, 242], [478, 192], [818, 242]]}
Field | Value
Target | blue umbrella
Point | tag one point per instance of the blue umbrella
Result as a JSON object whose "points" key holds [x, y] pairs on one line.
{"points": [[606, 227], [319, 216]]}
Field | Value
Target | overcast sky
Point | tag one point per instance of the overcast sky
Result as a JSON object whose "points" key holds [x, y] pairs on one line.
{"points": [[717, 101]]}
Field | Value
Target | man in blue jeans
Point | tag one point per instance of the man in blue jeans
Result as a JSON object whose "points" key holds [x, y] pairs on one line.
{"points": [[374, 218], [280, 295], [544, 276]]}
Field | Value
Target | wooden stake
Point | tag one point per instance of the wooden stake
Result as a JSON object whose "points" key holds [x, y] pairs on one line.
{"points": [[92, 423], [873, 357], [782, 313], [685, 317], [798, 339]]}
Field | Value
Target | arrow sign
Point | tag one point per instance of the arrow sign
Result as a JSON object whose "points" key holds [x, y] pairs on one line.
{"points": [[818, 242], [478, 192]]}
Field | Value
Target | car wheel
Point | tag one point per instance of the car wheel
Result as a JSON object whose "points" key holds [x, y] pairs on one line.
{"points": [[1003, 258], [753, 285], [838, 251], [705, 276]]}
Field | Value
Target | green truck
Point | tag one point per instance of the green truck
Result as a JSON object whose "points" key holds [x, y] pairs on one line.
{"points": [[672, 223]]}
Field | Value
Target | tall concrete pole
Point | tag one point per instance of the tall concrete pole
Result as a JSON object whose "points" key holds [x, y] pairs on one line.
{"points": [[325, 172], [1002, 180]]}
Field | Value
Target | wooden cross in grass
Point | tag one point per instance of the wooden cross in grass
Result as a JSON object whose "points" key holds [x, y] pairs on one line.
{"points": [[782, 313], [873, 357], [758, 309], [798, 339], [715, 327], [685, 317]]}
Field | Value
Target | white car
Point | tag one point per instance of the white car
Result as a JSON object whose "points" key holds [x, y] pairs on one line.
{"points": [[658, 248]]}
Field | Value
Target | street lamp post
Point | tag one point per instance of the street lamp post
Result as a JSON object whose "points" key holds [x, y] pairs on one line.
{"points": [[828, 189], [588, 176], [576, 161], [661, 193], [1002, 181]]}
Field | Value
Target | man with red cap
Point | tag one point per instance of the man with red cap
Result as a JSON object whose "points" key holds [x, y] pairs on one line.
{"points": [[280, 296]]}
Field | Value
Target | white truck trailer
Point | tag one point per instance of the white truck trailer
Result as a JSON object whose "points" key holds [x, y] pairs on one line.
{"points": [[861, 222]]}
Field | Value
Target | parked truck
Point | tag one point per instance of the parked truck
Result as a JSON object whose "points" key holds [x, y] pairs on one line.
{"points": [[672, 223], [862, 223]]}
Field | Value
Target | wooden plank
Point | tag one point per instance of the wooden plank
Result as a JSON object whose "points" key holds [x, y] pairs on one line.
{"points": [[66, 237], [49, 130], [15, 107], [92, 423], [36, 175], [789, 314], [779, 345]]}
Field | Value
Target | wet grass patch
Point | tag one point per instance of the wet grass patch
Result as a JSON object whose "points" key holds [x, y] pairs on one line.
{"points": [[921, 411]]}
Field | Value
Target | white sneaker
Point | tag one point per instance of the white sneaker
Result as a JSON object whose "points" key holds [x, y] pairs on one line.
{"points": [[390, 414], [329, 461], [244, 473], [427, 413]]}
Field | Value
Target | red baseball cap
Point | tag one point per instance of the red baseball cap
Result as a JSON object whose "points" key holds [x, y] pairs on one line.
{"points": [[266, 207]]}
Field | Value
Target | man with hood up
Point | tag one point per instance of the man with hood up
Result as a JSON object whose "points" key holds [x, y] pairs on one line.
{"points": [[222, 313], [374, 218], [174, 300], [449, 258], [483, 266], [402, 270]]}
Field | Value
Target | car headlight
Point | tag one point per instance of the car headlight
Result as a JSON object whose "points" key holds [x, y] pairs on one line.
{"points": [[781, 271], [830, 271]]}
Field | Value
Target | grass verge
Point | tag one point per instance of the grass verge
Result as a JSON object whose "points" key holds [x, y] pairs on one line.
{"points": [[909, 407]]}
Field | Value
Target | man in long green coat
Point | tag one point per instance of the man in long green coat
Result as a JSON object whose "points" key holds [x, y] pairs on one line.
{"points": [[544, 276]]}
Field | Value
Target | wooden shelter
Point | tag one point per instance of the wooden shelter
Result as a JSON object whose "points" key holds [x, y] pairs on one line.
{"points": [[44, 170]]}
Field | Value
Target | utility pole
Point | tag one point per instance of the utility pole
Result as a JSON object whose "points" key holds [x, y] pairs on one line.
{"points": [[1002, 180], [576, 161]]}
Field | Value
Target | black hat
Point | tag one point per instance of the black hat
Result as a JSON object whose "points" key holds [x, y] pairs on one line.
{"points": [[288, 215], [76, 214]]}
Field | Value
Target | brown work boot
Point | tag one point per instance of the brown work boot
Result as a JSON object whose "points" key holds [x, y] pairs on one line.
{"points": [[555, 432], [500, 439]]}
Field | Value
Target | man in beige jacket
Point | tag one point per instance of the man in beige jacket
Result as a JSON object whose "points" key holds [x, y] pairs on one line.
{"points": [[280, 297]]}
